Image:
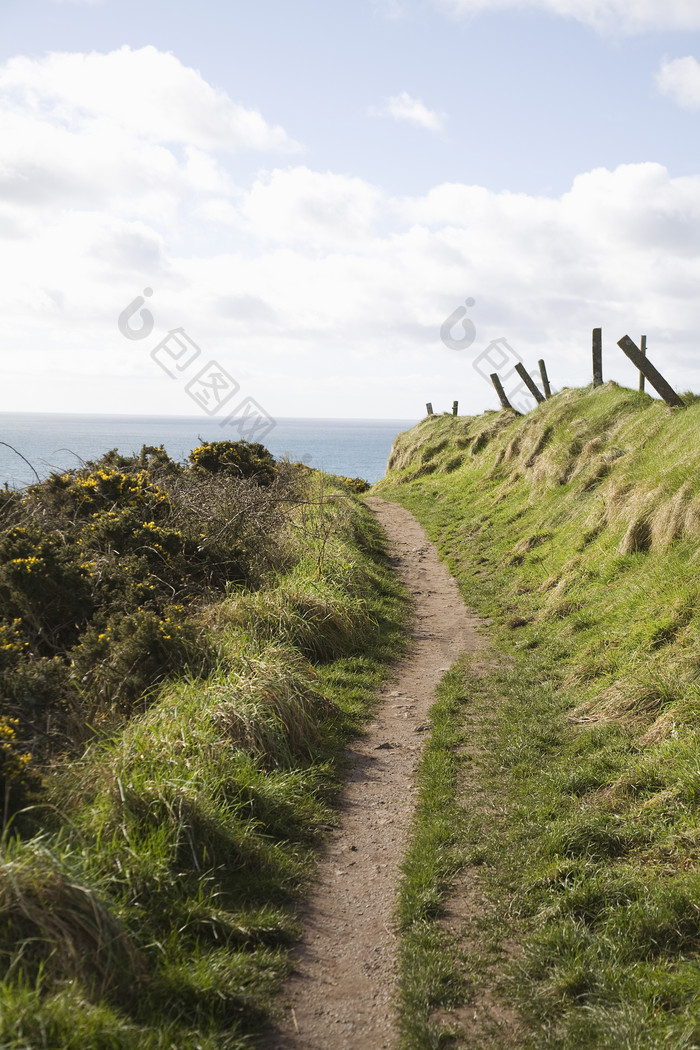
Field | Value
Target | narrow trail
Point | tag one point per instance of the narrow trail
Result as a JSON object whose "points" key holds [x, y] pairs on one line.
{"points": [[340, 994]]}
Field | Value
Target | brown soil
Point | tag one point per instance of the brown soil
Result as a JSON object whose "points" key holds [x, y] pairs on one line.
{"points": [[340, 994]]}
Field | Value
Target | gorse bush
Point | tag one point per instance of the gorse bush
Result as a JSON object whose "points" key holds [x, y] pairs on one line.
{"points": [[356, 485], [45, 589], [132, 651], [235, 458], [104, 571], [18, 782], [175, 846]]}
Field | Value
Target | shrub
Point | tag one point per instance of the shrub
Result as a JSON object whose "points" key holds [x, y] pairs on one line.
{"points": [[238, 458], [82, 493], [133, 651], [12, 645], [356, 485], [152, 458], [103, 570], [45, 584], [17, 780]]}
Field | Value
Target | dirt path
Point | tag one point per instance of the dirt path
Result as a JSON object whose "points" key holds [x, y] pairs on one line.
{"points": [[340, 994]]}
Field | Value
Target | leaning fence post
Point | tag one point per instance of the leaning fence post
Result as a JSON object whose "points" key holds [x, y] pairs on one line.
{"points": [[454, 407], [642, 350], [545, 379], [505, 403], [429, 407], [529, 382], [597, 357], [644, 365]]}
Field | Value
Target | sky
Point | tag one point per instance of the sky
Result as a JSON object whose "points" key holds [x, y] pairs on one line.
{"points": [[342, 209]]}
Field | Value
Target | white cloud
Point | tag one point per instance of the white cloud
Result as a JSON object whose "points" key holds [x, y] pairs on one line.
{"points": [[309, 207], [403, 107], [680, 80], [47, 164], [620, 249], [132, 132], [218, 210], [626, 16], [146, 91], [316, 278], [322, 292]]}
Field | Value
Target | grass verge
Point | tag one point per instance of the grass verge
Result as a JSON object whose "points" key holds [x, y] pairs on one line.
{"points": [[576, 530], [156, 906]]}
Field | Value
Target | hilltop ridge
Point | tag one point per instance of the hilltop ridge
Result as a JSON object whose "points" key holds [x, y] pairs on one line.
{"points": [[576, 529]]}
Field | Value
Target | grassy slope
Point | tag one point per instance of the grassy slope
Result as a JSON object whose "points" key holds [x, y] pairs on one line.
{"points": [[577, 530], [156, 909]]}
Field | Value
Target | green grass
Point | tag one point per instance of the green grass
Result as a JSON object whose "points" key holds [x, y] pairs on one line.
{"points": [[576, 529], [157, 905], [430, 974]]}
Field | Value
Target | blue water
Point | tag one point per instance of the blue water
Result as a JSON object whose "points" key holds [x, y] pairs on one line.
{"points": [[353, 447]]}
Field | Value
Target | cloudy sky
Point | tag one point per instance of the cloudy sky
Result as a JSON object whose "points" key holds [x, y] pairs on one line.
{"points": [[294, 197]]}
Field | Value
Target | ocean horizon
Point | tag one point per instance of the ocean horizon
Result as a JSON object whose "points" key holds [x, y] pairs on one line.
{"points": [[34, 444]]}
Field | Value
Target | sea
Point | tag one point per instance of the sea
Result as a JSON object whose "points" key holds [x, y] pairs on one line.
{"points": [[35, 445]]}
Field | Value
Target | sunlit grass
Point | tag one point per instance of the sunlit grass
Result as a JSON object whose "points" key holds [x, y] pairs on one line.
{"points": [[157, 907], [577, 530]]}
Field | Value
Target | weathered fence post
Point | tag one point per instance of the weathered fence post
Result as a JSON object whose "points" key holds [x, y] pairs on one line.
{"points": [[545, 379], [664, 389], [429, 407], [529, 382], [505, 403], [454, 407], [597, 357], [642, 350]]}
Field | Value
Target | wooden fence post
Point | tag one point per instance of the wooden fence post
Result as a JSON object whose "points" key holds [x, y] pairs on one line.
{"points": [[429, 407], [505, 403], [653, 375], [529, 382], [642, 350], [454, 407], [545, 379], [597, 357]]}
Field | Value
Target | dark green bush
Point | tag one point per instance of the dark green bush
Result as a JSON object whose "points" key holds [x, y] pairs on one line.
{"points": [[120, 661], [152, 458], [46, 584], [103, 570], [356, 485], [18, 782], [237, 458]]}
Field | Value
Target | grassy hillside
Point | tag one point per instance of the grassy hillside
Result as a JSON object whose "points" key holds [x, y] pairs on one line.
{"points": [[155, 844], [574, 765]]}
